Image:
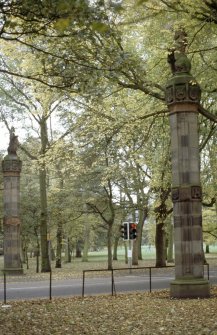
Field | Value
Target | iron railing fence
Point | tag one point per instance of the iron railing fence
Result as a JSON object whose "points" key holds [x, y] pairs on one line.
{"points": [[149, 268], [112, 283]]}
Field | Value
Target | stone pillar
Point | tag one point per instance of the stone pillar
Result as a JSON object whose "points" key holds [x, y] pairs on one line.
{"points": [[183, 97], [11, 166]]}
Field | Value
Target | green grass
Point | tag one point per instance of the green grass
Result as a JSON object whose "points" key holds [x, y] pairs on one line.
{"points": [[147, 253], [96, 260]]}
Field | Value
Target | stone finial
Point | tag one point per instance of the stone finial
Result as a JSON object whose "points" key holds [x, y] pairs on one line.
{"points": [[13, 144], [177, 57]]}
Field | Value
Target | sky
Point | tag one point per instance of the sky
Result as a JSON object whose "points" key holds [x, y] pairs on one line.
{"points": [[4, 139]]}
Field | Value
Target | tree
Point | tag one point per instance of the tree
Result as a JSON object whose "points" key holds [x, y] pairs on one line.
{"points": [[30, 211], [39, 106], [111, 58]]}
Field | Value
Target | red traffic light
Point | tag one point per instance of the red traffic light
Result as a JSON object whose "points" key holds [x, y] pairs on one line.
{"points": [[133, 231]]}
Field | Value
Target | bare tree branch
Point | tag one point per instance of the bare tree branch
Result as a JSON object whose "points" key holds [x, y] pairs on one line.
{"points": [[207, 114]]}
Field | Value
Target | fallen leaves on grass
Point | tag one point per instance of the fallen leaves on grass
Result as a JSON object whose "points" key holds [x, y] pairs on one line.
{"points": [[138, 313]]}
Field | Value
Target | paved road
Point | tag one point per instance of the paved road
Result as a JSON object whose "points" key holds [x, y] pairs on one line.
{"points": [[73, 287]]}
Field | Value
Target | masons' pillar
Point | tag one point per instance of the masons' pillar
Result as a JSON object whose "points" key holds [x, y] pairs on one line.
{"points": [[183, 97], [11, 166]]}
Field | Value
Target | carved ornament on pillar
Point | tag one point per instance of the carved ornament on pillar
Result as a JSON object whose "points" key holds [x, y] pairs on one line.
{"points": [[186, 193], [182, 89], [14, 220], [11, 165]]}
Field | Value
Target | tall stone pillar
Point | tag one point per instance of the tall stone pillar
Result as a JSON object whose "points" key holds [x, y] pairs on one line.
{"points": [[183, 97], [11, 166]]}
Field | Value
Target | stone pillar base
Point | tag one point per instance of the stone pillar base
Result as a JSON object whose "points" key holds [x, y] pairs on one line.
{"points": [[13, 272], [190, 288]]}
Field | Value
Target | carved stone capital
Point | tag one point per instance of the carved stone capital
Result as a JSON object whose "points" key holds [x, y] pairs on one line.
{"points": [[13, 220], [11, 165], [182, 89]]}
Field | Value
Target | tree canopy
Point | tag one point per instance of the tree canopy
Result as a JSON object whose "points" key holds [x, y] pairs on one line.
{"points": [[89, 76]]}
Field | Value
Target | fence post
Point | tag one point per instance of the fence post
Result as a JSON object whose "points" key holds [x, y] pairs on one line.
{"points": [[150, 279], [50, 292], [112, 273], [5, 297], [83, 283]]}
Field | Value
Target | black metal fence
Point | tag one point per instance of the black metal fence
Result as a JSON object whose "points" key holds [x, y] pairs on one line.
{"points": [[112, 284], [5, 286], [149, 268]]}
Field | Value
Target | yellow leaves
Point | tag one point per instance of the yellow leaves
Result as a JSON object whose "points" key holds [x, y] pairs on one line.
{"points": [[130, 314], [140, 2], [100, 27], [63, 6], [62, 24]]}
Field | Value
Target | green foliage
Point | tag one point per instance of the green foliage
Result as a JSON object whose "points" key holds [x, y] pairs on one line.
{"points": [[105, 68], [210, 225]]}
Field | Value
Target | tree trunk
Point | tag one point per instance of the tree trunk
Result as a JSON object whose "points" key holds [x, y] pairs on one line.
{"points": [[78, 249], [161, 213], [138, 241], [86, 240], [142, 217], [68, 257], [51, 251], [160, 244], [135, 245], [23, 251], [37, 253], [115, 249], [140, 246], [27, 258], [59, 235], [109, 239], [170, 258], [59, 245], [125, 253], [207, 248], [45, 262]]}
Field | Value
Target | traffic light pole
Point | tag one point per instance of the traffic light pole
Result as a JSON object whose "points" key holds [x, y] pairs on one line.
{"points": [[130, 251], [128, 233]]}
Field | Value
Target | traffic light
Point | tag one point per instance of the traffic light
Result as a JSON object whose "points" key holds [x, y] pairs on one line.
{"points": [[125, 231], [132, 231]]}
